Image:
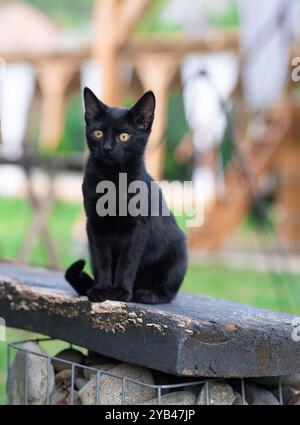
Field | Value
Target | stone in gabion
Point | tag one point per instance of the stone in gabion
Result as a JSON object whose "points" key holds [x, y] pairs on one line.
{"points": [[111, 387], [272, 381], [80, 383], [62, 396], [219, 394], [259, 396], [181, 398], [37, 376], [70, 355], [88, 373]]}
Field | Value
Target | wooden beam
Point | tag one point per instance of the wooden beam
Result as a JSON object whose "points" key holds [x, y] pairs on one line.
{"points": [[179, 45], [110, 15], [105, 50], [131, 12], [288, 189], [156, 71], [53, 78], [232, 205]]}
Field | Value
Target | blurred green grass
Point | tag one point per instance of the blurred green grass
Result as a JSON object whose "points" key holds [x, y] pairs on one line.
{"points": [[245, 286]]}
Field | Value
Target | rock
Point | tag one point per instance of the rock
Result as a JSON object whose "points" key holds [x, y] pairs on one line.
{"points": [[180, 398], [291, 381], [69, 354], [111, 387], [273, 381], [37, 376], [62, 396], [80, 383], [238, 401], [219, 394], [87, 394], [88, 374], [288, 393], [59, 394], [259, 396], [64, 376], [76, 399], [295, 400]]}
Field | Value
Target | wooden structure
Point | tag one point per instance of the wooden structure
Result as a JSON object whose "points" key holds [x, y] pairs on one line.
{"points": [[268, 153], [288, 171], [42, 207], [194, 336], [156, 62]]}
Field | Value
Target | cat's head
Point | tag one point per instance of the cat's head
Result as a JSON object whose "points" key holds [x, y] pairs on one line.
{"points": [[118, 135]]}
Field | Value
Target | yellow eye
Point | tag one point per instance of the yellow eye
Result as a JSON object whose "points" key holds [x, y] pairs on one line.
{"points": [[98, 134], [124, 137]]}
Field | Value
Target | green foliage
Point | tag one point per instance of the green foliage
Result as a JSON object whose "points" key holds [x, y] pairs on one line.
{"points": [[227, 18], [66, 13], [151, 22], [78, 13], [73, 138], [176, 129], [15, 216], [245, 286]]}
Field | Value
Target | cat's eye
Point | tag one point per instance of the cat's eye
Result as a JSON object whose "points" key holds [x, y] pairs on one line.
{"points": [[124, 137], [98, 134]]}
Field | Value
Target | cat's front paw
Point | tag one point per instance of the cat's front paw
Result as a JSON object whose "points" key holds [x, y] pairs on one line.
{"points": [[96, 295], [144, 296], [120, 294]]}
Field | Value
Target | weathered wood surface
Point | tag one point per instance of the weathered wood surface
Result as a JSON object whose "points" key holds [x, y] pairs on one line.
{"points": [[193, 336]]}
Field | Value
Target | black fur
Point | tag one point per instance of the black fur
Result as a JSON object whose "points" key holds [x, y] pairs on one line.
{"points": [[141, 259]]}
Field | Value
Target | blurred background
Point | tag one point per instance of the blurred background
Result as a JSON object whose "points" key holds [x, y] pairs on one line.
{"points": [[226, 76]]}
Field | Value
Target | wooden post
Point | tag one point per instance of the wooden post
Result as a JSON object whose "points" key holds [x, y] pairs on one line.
{"points": [[114, 21], [288, 193], [156, 72], [53, 77]]}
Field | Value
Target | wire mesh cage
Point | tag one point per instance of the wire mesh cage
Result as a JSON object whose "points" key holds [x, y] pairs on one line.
{"points": [[126, 382]]}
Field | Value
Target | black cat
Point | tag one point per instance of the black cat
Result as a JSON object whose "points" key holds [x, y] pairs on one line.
{"points": [[139, 258]]}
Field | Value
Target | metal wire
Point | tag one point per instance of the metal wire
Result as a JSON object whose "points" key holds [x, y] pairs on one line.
{"points": [[207, 398], [123, 390], [280, 390], [48, 381], [26, 377], [243, 391], [97, 388], [99, 373], [72, 384], [159, 394]]}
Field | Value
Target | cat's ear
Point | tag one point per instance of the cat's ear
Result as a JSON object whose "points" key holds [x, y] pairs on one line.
{"points": [[94, 108], [143, 111]]}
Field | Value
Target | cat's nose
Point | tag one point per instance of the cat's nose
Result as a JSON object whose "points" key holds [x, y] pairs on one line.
{"points": [[107, 148]]}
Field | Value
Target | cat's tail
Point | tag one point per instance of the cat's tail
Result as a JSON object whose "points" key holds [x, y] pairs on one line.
{"points": [[79, 279]]}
